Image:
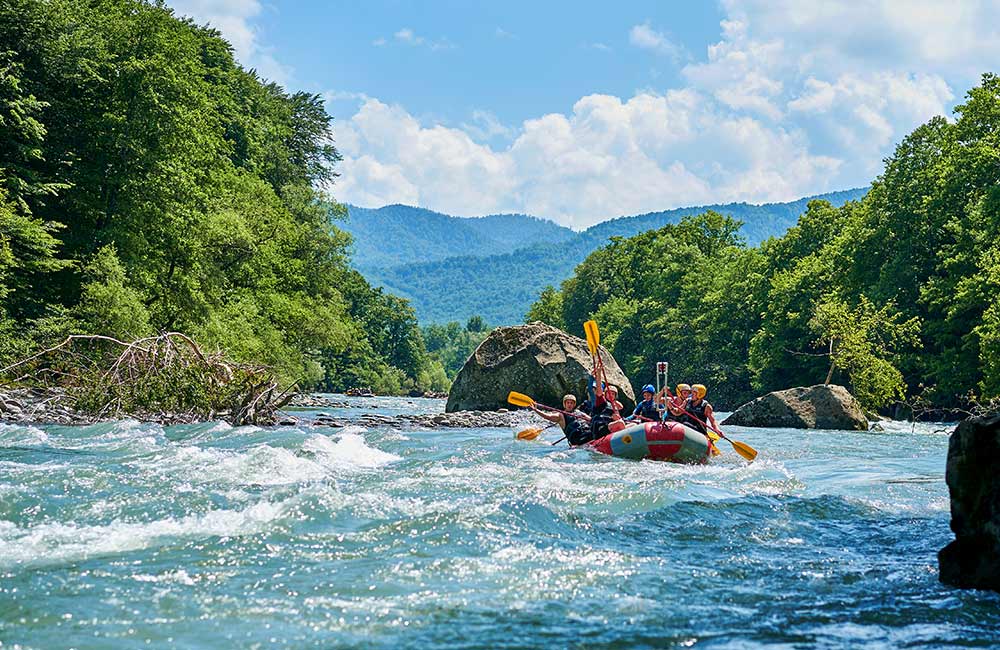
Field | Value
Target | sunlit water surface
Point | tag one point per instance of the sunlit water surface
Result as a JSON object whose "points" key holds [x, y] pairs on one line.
{"points": [[126, 535]]}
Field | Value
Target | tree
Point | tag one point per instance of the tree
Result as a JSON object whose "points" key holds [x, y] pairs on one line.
{"points": [[861, 341], [476, 324], [547, 309]]}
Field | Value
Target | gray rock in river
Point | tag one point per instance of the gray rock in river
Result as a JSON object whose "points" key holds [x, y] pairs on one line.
{"points": [[973, 559], [535, 359], [815, 407]]}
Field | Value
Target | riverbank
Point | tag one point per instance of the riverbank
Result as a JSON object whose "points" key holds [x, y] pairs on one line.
{"points": [[53, 406]]}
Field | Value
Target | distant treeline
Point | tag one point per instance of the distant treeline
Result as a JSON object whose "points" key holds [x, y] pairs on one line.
{"points": [[455, 267], [149, 183], [896, 295], [452, 344]]}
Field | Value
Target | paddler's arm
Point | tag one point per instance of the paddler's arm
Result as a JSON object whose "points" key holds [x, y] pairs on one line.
{"points": [[551, 417], [710, 416]]}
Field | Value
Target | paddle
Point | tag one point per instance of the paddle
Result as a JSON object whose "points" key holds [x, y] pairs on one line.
{"points": [[520, 399], [532, 433], [593, 343], [741, 448], [593, 336]]}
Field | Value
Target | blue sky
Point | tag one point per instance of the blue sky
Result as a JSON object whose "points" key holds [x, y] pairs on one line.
{"points": [[582, 111]]}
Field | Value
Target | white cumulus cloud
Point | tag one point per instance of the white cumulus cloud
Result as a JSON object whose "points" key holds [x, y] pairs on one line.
{"points": [[606, 157], [794, 98], [647, 38]]}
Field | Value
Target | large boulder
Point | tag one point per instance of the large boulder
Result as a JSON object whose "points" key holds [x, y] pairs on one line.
{"points": [[973, 559], [815, 407], [537, 360]]}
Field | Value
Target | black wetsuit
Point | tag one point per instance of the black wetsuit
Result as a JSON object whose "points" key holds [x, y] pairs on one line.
{"points": [[600, 419], [576, 430], [698, 412]]}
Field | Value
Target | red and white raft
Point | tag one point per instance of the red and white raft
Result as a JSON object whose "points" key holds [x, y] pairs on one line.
{"points": [[671, 441]]}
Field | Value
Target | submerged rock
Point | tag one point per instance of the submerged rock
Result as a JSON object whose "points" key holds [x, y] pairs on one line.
{"points": [[456, 420], [535, 359], [813, 407], [315, 400], [972, 561]]}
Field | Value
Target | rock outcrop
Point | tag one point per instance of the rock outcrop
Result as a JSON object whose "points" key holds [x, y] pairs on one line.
{"points": [[815, 407], [534, 359], [973, 559]]}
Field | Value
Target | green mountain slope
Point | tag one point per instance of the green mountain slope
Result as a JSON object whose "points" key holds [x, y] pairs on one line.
{"points": [[496, 276], [400, 234]]}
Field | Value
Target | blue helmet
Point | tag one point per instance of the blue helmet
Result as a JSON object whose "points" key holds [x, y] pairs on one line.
{"points": [[648, 388]]}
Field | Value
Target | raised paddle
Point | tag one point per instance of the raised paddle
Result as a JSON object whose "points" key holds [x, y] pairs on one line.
{"points": [[593, 336], [742, 448], [593, 343]]}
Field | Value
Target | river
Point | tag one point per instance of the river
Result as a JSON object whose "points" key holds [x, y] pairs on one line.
{"points": [[128, 535]]}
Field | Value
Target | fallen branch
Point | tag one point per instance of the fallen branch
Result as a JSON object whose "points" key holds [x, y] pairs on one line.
{"points": [[156, 375]]}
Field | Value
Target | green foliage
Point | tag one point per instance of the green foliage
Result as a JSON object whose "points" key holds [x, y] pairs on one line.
{"points": [[450, 345], [107, 303], [185, 193], [902, 282], [861, 342], [454, 267], [547, 309]]}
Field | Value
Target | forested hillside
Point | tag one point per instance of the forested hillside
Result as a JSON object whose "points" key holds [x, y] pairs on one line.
{"points": [[149, 183], [894, 294], [501, 285], [400, 234]]}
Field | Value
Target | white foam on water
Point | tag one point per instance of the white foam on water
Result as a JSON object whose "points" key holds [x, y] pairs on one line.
{"points": [[20, 435], [350, 450], [56, 543], [258, 465], [179, 576]]}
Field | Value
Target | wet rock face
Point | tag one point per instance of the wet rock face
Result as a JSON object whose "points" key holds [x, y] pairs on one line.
{"points": [[972, 561], [813, 407], [537, 360]]}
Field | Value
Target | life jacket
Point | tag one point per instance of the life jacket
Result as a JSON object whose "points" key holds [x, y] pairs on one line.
{"points": [[576, 431], [697, 412], [600, 418], [647, 409]]}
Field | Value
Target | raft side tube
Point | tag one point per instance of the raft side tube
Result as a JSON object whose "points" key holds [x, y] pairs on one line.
{"points": [[671, 441]]}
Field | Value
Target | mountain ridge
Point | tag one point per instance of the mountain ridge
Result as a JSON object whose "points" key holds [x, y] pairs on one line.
{"points": [[451, 267]]}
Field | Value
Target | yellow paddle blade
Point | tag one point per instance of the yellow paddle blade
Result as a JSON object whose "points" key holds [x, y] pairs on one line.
{"points": [[593, 336], [528, 434], [517, 399], [743, 449]]}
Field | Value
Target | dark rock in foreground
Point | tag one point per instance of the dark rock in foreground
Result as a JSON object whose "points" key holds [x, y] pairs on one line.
{"points": [[815, 407], [537, 360], [972, 561]]}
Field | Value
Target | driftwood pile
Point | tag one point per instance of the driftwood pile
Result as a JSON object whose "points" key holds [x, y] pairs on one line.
{"points": [[167, 376]]}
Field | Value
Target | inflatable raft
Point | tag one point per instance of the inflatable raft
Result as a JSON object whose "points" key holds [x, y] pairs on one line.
{"points": [[671, 441]]}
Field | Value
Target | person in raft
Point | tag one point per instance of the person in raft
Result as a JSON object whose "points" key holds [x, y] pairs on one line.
{"points": [[646, 410], [674, 407], [606, 410], [588, 404], [700, 409], [574, 423]]}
